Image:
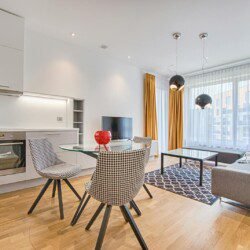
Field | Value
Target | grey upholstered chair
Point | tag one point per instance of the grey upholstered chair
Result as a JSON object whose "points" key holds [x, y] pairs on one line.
{"points": [[148, 142], [49, 166], [118, 178]]}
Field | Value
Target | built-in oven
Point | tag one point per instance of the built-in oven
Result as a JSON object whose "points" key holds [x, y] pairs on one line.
{"points": [[12, 153]]}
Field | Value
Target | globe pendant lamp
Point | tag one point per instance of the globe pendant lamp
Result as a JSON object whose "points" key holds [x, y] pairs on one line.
{"points": [[203, 101], [176, 82]]}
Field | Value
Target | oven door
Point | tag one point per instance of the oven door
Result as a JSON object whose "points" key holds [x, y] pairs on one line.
{"points": [[12, 157]]}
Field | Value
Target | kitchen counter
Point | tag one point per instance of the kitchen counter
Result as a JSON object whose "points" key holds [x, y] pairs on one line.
{"points": [[36, 129]]}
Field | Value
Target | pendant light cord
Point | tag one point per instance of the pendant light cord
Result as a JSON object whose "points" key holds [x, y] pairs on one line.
{"points": [[176, 56], [203, 62]]}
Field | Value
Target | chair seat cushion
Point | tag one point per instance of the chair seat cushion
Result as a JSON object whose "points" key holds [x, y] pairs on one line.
{"points": [[61, 171]]}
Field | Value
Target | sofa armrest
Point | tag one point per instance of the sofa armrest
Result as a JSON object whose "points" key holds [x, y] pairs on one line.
{"points": [[231, 183]]}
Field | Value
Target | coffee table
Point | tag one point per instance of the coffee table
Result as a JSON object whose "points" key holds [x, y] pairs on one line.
{"points": [[191, 154]]}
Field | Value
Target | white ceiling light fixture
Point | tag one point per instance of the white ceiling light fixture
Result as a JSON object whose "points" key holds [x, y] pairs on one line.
{"points": [[73, 34]]}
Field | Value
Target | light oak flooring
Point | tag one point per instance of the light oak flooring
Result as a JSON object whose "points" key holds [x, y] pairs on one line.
{"points": [[168, 221]]}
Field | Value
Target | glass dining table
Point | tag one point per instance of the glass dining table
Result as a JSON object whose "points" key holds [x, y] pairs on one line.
{"points": [[93, 150]]}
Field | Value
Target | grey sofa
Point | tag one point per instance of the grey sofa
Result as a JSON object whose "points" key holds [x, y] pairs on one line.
{"points": [[232, 182]]}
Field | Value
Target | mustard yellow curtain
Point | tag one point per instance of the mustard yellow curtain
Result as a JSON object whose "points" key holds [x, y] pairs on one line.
{"points": [[150, 107], [175, 122]]}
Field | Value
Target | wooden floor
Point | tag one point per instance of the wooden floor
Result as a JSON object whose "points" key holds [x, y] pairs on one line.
{"points": [[168, 221]]}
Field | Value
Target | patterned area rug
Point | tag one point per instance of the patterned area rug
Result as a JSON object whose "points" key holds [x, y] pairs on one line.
{"points": [[183, 181]]}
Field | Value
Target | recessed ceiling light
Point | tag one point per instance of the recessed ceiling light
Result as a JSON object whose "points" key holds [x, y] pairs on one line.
{"points": [[73, 34], [104, 46], [129, 57]]}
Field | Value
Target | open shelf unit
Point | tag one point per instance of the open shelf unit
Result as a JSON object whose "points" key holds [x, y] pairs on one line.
{"points": [[78, 109]]}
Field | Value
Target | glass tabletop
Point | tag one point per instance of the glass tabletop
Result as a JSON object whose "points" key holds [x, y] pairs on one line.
{"points": [[191, 153], [95, 148]]}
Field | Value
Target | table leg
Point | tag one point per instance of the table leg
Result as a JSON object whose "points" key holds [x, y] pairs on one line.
{"points": [[180, 162], [216, 160], [201, 172], [162, 162]]}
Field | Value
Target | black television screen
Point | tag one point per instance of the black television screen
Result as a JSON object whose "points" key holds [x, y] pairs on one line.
{"points": [[120, 127]]}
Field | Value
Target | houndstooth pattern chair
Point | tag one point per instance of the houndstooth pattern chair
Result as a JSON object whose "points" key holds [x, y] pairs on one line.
{"points": [[83, 203], [117, 180], [148, 142], [49, 166]]}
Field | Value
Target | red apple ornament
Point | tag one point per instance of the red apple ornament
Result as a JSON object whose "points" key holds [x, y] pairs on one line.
{"points": [[103, 137]]}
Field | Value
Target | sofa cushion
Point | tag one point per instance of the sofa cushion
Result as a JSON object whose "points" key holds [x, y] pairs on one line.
{"points": [[239, 167], [224, 155]]}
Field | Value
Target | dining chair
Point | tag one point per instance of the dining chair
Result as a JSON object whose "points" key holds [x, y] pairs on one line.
{"points": [[117, 180], [49, 166], [83, 203], [148, 142]]}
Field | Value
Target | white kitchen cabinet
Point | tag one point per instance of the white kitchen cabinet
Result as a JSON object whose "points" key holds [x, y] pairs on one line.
{"points": [[11, 69], [12, 178], [30, 170], [11, 52], [11, 30], [85, 161], [69, 157], [57, 138]]}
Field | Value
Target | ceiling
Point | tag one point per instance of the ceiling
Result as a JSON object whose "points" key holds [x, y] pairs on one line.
{"points": [[142, 29]]}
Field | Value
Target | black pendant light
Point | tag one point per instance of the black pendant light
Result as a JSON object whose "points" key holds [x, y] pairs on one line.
{"points": [[176, 82], [203, 101]]}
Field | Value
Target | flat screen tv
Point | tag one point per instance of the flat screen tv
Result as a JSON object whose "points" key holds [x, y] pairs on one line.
{"points": [[120, 127]]}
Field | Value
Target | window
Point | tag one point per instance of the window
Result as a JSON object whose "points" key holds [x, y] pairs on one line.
{"points": [[243, 116], [227, 123]]}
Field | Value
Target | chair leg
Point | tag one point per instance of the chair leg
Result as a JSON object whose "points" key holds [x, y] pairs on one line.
{"points": [[130, 206], [45, 187], [59, 188], [135, 207], [98, 211], [77, 216], [72, 188], [145, 187], [79, 207], [54, 189], [134, 227], [124, 215], [103, 227]]}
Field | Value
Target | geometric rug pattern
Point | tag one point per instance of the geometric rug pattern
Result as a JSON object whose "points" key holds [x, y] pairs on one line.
{"points": [[184, 181]]}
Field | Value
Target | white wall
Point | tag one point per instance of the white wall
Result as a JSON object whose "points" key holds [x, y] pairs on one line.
{"points": [[109, 87], [32, 112]]}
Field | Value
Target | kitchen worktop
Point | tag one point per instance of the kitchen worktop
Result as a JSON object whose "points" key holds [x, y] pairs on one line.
{"points": [[35, 129]]}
